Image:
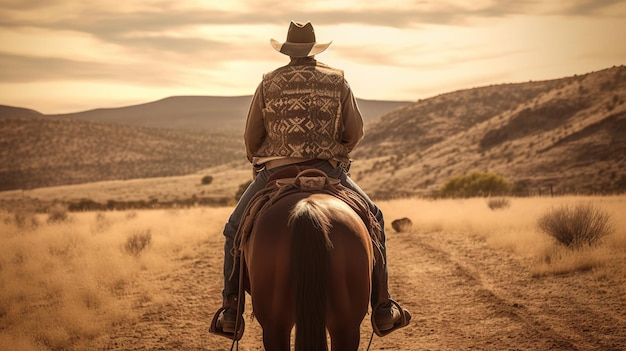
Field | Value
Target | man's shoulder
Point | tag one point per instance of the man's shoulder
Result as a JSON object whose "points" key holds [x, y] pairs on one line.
{"points": [[293, 69], [325, 67]]}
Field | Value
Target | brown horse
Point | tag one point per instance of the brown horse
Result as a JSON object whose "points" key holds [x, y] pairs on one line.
{"points": [[309, 261]]}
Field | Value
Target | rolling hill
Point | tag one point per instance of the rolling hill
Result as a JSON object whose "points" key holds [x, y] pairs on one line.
{"points": [[565, 136], [45, 151]]}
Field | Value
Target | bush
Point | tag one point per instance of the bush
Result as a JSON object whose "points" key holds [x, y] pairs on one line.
{"points": [[475, 184], [499, 203], [57, 213], [576, 227], [25, 220], [206, 180], [138, 242]]}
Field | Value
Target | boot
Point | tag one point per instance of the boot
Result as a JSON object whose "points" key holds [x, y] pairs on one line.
{"points": [[387, 315], [228, 318], [227, 322]]}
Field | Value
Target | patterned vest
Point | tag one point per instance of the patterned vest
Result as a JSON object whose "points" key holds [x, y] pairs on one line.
{"points": [[302, 114]]}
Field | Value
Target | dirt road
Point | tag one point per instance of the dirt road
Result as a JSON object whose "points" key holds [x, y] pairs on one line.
{"points": [[463, 296]]}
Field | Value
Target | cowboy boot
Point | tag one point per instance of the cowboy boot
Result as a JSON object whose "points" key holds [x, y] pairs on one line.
{"points": [[387, 315], [225, 320]]}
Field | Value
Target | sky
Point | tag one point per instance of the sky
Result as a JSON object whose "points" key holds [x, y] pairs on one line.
{"points": [[59, 56]]}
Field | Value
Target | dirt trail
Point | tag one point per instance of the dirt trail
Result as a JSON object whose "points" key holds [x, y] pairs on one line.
{"points": [[463, 296]]}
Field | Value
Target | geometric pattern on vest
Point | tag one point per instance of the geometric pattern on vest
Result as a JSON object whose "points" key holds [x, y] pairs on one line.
{"points": [[302, 114]]}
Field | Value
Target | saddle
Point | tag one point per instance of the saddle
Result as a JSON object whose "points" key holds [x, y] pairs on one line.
{"points": [[297, 179]]}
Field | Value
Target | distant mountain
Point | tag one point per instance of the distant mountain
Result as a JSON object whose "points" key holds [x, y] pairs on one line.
{"points": [[189, 112], [177, 112], [10, 111], [567, 135]]}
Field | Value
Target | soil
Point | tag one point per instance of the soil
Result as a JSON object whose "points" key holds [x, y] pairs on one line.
{"points": [[463, 295]]}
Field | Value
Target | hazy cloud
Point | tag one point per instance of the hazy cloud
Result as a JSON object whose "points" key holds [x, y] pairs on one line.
{"points": [[33, 69]]}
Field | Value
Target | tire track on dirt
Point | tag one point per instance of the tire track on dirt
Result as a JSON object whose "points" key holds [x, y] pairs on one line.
{"points": [[474, 297]]}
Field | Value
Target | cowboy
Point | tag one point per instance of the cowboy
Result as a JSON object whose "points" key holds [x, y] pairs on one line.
{"points": [[304, 113]]}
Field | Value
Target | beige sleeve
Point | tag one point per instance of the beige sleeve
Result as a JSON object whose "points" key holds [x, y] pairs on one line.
{"points": [[255, 133], [352, 119]]}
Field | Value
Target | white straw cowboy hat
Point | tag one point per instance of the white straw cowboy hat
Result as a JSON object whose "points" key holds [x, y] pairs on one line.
{"points": [[300, 41]]}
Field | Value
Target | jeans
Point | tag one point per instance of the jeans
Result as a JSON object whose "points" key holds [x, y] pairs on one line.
{"points": [[231, 286]]}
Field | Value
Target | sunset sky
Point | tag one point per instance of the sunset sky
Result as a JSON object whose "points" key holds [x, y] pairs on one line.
{"points": [[67, 55]]}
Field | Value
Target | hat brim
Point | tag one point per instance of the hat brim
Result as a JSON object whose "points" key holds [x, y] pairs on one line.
{"points": [[298, 49]]}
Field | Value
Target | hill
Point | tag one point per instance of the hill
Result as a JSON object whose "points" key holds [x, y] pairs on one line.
{"points": [[46, 151], [193, 112], [565, 135]]}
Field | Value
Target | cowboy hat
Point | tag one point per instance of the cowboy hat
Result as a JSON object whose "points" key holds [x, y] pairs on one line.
{"points": [[300, 41]]}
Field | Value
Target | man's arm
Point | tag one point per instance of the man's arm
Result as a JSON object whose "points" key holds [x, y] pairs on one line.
{"points": [[254, 134], [352, 119]]}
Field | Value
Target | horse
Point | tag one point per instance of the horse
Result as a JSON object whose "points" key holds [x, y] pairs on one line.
{"points": [[309, 261]]}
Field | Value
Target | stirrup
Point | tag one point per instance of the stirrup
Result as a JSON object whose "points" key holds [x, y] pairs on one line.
{"points": [[240, 326], [405, 318]]}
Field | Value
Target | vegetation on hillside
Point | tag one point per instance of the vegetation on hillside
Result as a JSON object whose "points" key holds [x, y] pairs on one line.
{"points": [[475, 184], [41, 152], [561, 136]]}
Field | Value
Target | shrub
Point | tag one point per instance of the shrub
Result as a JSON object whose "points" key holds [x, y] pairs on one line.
{"points": [[206, 180], [137, 242], [475, 184], [499, 203], [85, 205], [25, 220], [57, 213], [578, 226]]}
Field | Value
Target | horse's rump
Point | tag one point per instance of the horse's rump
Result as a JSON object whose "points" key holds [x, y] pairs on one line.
{"points": [[309, 260]]}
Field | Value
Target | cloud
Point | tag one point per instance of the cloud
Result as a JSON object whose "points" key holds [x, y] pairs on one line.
{"points": [[26, 69], [148, 25]]}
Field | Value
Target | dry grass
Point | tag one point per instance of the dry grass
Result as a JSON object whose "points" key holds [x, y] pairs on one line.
{"points": [[65, 284], [514, 228]]}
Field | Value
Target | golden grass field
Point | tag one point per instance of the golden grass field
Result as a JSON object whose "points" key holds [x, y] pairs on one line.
{"points": [[474, 278]]}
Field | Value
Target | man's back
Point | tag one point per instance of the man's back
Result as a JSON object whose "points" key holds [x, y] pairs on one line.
{"points": [[302, 113]]}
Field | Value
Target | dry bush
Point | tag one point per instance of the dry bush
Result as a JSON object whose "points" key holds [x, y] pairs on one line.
{"points": [[499, 203], [57, 213], [25, 220], [578, 226], [138, 241], [206, 180], [102, 223]]}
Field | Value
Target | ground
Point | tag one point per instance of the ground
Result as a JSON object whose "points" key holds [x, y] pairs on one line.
{"points": [[463, 294]]}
